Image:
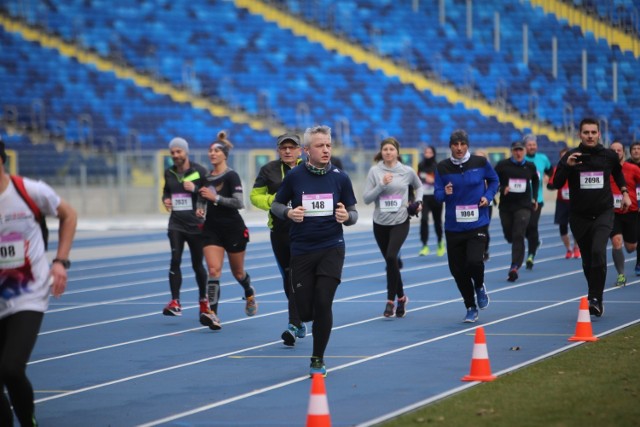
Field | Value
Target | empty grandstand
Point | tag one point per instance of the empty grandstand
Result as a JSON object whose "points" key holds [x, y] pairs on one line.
{"points": [[91, 90]]}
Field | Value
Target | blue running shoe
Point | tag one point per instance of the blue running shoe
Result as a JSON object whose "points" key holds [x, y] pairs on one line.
{"points": [[289, 335], [483, 298], [317, 367], [302, 331], [637, 269], [472, 315]]}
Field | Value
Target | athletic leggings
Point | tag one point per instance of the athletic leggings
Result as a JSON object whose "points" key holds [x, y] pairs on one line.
{"points": [[390, 239], [18, 334], [430, 204], [465, 251], [177, 239], [533, 237], [514, 226], [315, 278], [281, 246], [564, 229]]}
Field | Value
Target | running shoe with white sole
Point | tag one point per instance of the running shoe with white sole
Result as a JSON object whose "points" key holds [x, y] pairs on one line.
{"points": [[595, 307], [483, 297], [401, 308], [389, 309], [173, 308], [289, 335], [210, 319], [472, 315]]}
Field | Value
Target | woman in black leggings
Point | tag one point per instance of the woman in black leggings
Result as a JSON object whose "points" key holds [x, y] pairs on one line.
{"points": [[387, 185]]}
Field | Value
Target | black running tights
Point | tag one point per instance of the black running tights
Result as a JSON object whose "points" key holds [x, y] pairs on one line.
{"points": [[281, 245], [390, 239], [592, 235], [315, 278], [18, 334], [177, 239], [430, 204]]}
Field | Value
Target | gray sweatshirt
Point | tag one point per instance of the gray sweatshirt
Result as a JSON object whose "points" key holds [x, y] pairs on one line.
{"points": [[391, 199]]}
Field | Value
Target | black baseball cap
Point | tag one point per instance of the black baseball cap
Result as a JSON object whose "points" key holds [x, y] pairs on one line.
{"points": [[291, 137]]}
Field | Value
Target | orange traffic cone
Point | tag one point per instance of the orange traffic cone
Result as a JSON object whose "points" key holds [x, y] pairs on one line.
{"points": [[480, 368], [583, 326], [318, 412]]}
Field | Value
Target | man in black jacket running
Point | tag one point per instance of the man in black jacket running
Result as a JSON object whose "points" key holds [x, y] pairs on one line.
{"points": [[519, 186], [588, 168]]}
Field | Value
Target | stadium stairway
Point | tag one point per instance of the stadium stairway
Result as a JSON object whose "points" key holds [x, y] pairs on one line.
{"points": [[588, 23], [392, 70]]}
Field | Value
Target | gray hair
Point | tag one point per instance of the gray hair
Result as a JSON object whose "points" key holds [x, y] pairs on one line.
{"points": [[309, 132], [529, 137]]}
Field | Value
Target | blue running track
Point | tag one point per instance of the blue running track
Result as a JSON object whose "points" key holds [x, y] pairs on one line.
{"points": [[106, 356]]}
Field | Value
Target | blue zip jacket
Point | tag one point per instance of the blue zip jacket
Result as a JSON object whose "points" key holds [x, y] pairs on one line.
{"points": [[471, 181]]}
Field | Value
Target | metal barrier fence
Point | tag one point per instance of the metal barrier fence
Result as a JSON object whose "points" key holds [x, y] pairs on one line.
{"points": [[134, 184]]}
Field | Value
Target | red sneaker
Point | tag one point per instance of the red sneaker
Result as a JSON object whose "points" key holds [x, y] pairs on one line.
{"points": [[576, 252], [173, 308], [204, 305], [569, 254]]}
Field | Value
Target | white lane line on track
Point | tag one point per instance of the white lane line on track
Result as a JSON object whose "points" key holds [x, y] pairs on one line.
{"points": [[453, 391], [96, 386], [378, 356]]}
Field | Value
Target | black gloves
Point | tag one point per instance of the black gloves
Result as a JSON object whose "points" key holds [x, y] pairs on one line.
{"points": [[413, 208]]}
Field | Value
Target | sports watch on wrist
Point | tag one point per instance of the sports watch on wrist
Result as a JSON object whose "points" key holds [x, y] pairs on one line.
{"points": [[65, 262]]}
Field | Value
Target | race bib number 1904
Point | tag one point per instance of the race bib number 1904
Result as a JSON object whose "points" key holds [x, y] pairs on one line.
{"points": [[467, 213]]}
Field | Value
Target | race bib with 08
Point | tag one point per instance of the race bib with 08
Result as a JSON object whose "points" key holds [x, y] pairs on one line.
{"points": [[467, 213], [317, 204], [11, 251]]}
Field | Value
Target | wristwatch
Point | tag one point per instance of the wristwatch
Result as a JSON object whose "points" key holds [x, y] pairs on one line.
{"points": [[65, 262]]}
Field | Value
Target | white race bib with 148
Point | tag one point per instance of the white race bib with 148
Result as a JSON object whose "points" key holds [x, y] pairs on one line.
{"points": [[317, 204]]}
